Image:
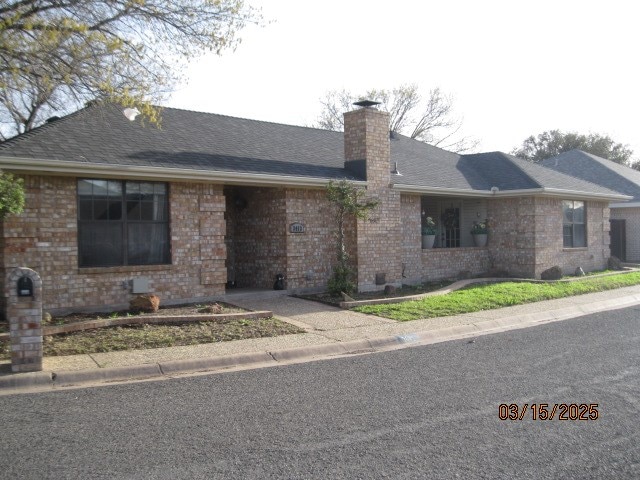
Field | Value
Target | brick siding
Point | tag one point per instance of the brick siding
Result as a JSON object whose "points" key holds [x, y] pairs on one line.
{"points": [[256, 236], [44, 238], [525, 238], [379, 239]]}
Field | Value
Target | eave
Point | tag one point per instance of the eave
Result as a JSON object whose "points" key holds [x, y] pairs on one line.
{"points": [[625, 205], [85, 169], [538, 192]]}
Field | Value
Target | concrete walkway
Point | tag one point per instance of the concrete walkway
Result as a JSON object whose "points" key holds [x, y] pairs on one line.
{"points": [[330, 331]]}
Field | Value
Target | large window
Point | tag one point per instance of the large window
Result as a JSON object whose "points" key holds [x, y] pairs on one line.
{"points": [[122, 223], [574, 232]]}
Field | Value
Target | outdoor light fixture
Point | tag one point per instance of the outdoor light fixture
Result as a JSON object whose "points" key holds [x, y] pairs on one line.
{"points": [[131, 113]]}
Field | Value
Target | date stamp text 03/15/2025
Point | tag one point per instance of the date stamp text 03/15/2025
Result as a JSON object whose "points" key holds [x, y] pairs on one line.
{"points": [[548, 411]]}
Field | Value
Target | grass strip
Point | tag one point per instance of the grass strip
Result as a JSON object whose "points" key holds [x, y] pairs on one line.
{"points": [[489, 296]]}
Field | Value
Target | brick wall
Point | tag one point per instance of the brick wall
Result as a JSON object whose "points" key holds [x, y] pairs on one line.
{"points": [[411, 239], [379, 240], [257, 235], [311, 255], [549, 246], [632, 226], [440, 263], [436, 263], [526, 237], [512, 232], [44, 238]]}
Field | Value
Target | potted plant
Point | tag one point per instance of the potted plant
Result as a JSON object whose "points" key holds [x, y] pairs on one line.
{"points": [[479, 232], [428, 233]]}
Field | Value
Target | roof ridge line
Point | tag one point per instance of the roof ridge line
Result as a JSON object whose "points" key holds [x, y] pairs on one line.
{"points": [[250, 119]]}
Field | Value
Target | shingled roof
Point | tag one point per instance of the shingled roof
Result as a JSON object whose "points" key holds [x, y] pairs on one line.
{"points": [[196, 145], [100, 134], [597, 170]]}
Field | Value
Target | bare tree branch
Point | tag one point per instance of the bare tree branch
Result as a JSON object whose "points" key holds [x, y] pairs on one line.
{"points": [[70, 51], [430, 122]]}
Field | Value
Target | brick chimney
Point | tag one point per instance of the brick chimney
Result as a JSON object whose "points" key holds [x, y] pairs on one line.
{"points": [[367, 145], [367, 154]]}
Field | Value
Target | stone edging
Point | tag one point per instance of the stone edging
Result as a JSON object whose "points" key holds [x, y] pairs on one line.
{"points": [[173, 319], [463, 283]]}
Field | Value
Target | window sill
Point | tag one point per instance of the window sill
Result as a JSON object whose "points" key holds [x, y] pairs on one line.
{"points": [[125, 269], [575, 249]]}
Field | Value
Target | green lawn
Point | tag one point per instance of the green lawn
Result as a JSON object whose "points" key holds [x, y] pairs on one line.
{"points": [[489, 296]]}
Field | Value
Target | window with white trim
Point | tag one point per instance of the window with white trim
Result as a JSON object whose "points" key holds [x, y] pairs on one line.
{"points": [[122, 223], [574, 224]]}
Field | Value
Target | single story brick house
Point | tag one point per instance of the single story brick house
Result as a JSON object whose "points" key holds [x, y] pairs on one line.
{"points": [[116, 207], [625, 216]]}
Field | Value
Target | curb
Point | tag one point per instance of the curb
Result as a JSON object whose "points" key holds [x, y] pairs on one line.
{"points": [[20, 383], [69, 378], [176, 367], [26, 380]]}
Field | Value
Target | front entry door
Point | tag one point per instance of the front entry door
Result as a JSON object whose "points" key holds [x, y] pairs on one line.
{"points": [[618, 243]]}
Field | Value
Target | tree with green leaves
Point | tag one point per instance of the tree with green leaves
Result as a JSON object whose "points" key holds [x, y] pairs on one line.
{"points": [[349, 202], [553, 142], [429, 120], [11, 195], [55, 55]]}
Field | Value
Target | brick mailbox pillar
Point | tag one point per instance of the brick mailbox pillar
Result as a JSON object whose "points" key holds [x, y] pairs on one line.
{"points": [[23, 291]]}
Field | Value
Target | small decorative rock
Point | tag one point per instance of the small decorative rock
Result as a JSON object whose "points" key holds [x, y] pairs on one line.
{"points": [[553, 273], [580, 272], [46, 318], [145, 303], [389, 290], [215, 309], [615, 263]]}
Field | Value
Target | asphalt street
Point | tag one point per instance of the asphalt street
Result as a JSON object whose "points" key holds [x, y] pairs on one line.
{"points": [[421, 412]]}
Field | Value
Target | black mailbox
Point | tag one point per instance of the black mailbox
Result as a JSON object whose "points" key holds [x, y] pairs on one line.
{"points": [[25, 287]]}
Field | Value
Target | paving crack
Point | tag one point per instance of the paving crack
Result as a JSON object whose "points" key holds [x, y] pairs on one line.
{"points": [[94, 360]]}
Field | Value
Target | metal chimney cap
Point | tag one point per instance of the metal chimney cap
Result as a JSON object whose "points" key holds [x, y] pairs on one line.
{"points": [[366, 103]]}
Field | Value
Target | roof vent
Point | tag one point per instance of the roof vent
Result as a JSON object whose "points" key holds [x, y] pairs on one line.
{"points": [[53, 119], [366, 103]]}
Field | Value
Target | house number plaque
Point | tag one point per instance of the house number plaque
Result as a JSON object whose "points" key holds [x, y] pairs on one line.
{"points": [[296, 228]]}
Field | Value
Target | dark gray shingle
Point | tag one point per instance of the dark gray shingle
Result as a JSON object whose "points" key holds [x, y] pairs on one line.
{"points": [[100, 134], [597, 170]]}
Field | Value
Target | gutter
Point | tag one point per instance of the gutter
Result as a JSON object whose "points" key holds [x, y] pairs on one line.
{"points": [[625, 205], [80, 169], [541, 191]]}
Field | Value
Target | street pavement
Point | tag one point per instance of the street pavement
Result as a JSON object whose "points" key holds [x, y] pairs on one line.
{"points": [[441, 411], [330, 332]]}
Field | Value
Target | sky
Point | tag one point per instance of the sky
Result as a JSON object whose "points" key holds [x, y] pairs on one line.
{"points": [[513, 68]]}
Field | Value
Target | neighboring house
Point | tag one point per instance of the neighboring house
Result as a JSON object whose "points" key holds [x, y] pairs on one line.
{"points": [[115, 208], [625, 217]]}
